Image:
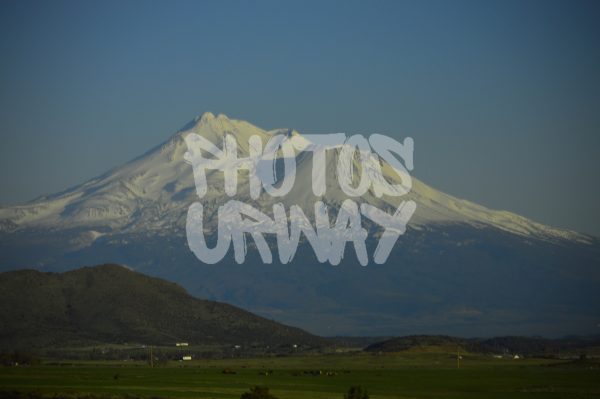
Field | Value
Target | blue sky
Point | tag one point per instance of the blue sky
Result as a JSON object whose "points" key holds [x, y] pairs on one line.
{"points": [[502, 98]]}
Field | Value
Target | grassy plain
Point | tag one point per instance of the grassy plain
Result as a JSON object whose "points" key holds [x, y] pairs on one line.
{"points": [[409, 374]]}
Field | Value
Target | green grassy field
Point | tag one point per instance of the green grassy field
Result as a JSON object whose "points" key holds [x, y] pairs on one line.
{"points": [[419, 374]]}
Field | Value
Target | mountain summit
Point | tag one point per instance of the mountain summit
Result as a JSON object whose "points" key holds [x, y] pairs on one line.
{"points": [[459, 269]]}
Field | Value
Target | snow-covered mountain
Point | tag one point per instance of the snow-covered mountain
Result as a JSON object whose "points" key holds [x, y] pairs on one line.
{"points": [[136, 214], [153, 192]]}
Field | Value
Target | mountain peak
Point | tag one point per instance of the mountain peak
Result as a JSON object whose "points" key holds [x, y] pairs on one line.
{"points": [[214, 128], [220, 123], [209, 117], [205, 117]]}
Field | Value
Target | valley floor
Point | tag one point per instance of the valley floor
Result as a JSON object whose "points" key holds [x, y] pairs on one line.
{"points": [[404, 375]]}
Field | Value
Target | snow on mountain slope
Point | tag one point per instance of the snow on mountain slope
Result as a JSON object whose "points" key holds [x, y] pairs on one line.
{"points": [[154, 191]]}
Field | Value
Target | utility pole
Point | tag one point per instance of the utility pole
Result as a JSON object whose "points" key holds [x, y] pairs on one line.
{"points": [[457, 357], [151, 358]]}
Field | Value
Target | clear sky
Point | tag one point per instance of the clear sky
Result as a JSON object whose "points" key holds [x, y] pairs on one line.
{"points": [[502, 98]]}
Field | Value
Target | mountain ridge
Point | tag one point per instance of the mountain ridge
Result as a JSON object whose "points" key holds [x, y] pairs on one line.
{"points": [[113, 304]]}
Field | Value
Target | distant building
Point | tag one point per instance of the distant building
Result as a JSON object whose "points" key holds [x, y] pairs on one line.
{"points": [[181, 344], [186, 358]]}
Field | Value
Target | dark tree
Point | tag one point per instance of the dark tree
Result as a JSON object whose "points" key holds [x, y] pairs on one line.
{"points": [[357, 392], [258, 393]]}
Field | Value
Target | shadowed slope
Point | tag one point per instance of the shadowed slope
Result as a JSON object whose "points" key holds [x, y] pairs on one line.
{"points": [[110, 303]]}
